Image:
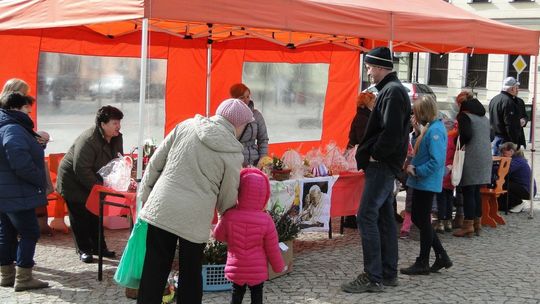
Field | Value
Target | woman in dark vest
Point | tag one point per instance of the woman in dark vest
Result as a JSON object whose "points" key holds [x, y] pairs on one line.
{"points": [[474, 134]]}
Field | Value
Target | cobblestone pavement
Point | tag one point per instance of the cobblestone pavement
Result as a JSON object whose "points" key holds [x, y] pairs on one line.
{"points": [[501, 266]]}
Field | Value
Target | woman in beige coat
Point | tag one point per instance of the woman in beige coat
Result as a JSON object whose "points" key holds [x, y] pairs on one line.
{"points": [[195, 170]]}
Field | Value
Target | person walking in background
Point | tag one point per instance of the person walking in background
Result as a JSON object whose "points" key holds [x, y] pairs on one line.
{"points": [[518, 181], [474, 134], [249, 251], [77, 175], [504, 115], [426, 173], [255, 136], [523, 120], [41, 212], [445, 198], [381, 154], [195, 170], [364, 105], [22, 190]]}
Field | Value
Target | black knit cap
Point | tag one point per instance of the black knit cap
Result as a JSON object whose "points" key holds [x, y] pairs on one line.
{"points": [[380, 56]]}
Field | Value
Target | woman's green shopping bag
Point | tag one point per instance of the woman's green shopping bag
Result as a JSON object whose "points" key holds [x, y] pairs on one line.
{"points": [[130, 269]]}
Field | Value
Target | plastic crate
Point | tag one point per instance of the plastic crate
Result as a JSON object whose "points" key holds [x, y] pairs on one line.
{"points": [[214, 278]]}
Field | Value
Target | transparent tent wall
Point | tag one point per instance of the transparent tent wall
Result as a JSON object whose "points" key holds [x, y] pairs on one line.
{"points": [[71, 88], [290, 97]]}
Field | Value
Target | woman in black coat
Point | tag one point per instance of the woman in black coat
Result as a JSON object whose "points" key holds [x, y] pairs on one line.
{"points": [[364, 103]]}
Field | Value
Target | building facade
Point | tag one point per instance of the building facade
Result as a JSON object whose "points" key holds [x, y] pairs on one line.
{"points": [[448, 74]]}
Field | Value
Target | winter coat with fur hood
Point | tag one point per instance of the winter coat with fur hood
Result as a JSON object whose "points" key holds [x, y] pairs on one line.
{"points": [[250, 233], [193, 171]]}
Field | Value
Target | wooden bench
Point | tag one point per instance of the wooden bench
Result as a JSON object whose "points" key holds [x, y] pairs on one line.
{"points": [[490, 206]]}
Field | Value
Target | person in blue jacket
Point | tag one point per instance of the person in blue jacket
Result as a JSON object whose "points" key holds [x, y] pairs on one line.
{"points": [[22, 189], [518, 180], [426, 173]]}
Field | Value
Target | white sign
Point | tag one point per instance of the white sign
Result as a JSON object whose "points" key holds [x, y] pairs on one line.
{"points": [[519, 64]]}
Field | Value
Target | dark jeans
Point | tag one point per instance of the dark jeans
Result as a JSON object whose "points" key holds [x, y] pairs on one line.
{"points": [[516, 193], [84, 225], [497, 141], [160, 250], [421, 217], [239, 291], [472, 204], [377, 224], [445, 204], [13, 224]]}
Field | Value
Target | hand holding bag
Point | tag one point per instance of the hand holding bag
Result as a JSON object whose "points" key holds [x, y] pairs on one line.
{"points": [[457, 166]]}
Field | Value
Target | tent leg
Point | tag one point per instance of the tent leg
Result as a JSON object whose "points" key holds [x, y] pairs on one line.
{"points": [[208, 76], [533, 129], [142, 95]]}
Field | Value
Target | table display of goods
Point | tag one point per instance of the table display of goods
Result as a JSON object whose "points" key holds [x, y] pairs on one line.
{"points": [[292, 165]]}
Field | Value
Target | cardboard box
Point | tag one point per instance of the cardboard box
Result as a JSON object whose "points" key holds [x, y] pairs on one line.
{"points": [[287, 257]]}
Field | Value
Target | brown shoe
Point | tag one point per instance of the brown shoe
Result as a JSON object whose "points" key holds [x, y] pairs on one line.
{"points": [[466, 229], [477, 226]]}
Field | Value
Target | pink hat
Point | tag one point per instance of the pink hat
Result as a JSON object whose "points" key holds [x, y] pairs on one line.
{"points": [[235, 111], [254, 190]]}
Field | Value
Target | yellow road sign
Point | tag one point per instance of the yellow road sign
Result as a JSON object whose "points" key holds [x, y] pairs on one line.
{"points": [[519, 64]]}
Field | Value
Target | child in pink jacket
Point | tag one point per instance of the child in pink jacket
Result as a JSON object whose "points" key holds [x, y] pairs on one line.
{"points": [[251, 238]]}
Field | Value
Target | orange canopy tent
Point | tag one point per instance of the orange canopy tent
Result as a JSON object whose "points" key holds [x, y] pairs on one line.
{"points": [[295, 31]]}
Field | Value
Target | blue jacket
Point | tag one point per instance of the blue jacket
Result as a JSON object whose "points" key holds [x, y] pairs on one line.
{"points": [[429, 159], [520, 173], [22, 168]]}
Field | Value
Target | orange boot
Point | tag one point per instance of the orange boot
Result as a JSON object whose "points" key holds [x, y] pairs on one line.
{"points": [[466, 229]]}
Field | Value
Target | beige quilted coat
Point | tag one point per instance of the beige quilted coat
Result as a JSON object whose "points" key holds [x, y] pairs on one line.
{"points": [[194, 170]]}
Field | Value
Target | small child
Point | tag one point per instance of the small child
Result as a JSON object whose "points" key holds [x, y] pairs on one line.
{"points": [[251, 238]]}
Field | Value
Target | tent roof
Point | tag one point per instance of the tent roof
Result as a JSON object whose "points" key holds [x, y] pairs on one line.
{"points": [[413, 25]]}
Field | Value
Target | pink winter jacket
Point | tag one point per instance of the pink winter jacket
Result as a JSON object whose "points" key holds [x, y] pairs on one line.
{"points": [[250, 233]]}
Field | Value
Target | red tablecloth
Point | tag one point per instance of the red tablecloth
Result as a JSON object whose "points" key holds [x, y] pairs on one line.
{"points": [[129, 199], [346, 194]]}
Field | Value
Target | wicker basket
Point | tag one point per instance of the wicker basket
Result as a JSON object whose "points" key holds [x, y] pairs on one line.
{"points": [[214, 278], [281, 175]]}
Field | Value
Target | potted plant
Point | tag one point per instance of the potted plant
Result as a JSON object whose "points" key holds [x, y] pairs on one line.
{"points": [[213, 271], [280, 172], [287, 228]]}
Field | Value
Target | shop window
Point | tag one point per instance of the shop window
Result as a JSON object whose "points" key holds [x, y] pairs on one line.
{"points": [[71, 88], [524, 75], [438, 69], [290, 97], [477, 71]]}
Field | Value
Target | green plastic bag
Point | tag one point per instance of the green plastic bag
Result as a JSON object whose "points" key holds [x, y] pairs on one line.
{"points": [[129, 271]]}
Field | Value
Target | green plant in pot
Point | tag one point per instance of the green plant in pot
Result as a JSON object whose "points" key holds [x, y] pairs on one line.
{"points": [[280, 171], [215, 253], [287, 228]]}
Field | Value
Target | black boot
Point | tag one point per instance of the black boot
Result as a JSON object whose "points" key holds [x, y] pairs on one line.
{"points": [[419, 267], [441, 261]]}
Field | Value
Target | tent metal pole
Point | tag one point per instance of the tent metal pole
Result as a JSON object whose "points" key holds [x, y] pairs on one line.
{"points": [[208, 76], [142, 95], [533, 129]]}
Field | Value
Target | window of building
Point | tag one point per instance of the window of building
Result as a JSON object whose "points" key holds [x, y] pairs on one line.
{"points": [[478, 1], [524, 75], [438, 69], [476, 71], [71, 88], [290, 97]]}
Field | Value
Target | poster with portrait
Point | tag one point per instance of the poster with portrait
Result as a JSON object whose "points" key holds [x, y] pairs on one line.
{"points": [[285, 197], [315, 207]]}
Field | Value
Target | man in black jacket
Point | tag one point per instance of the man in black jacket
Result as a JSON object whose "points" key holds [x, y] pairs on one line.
{"points": [[504, 115], [381, 154]]}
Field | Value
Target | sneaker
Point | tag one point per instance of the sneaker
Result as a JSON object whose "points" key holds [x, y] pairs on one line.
{"points": [[404, 235], [517, 208], [390, 282], [362, 284]]}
